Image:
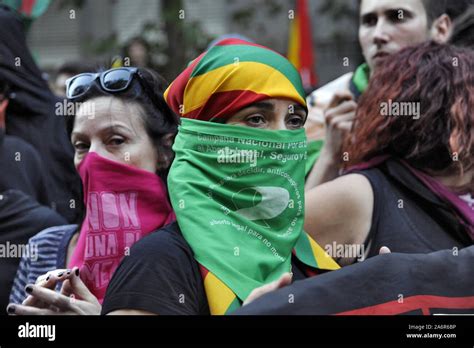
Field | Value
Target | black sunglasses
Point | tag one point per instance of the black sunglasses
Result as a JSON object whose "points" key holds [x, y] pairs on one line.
{"points": [[112, 81]]}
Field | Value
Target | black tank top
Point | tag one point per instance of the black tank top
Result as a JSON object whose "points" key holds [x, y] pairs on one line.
{"points": [[407, 216]]}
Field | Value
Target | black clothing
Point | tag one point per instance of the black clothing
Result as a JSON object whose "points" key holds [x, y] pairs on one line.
{"points": [[161, 276], [31, 115], [21, 169], [407, 216], [20, 219], [439, 282]]}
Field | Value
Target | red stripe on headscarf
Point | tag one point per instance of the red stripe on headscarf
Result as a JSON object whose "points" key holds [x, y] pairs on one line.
{"points": [[204, 271], [175, 94]]}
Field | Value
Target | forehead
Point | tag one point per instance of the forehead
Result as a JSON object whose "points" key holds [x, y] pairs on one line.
{"points": [[380, 6], [98, 112], [277, 104]]}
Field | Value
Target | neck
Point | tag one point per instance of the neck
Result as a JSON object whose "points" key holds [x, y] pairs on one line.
{"points": [[458, 184]]}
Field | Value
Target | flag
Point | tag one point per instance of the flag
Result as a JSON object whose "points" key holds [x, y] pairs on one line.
{"points": [[441, 282], [300, 44], [29, 9]]}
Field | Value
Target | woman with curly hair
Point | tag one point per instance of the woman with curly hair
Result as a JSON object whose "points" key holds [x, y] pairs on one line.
{"points": [[409, 161]]}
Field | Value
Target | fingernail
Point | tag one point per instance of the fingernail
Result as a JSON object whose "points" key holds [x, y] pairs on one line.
{"points": [[11, 309], [29, 289], [60, 274], [68, 272], [77, 272]]}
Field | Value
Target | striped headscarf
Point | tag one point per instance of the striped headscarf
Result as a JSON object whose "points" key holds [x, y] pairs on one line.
{"points": [[231, 75], [228, 77]]}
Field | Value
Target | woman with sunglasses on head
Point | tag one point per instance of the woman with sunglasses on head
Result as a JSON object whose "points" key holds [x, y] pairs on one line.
{"points": [[122, 134]]}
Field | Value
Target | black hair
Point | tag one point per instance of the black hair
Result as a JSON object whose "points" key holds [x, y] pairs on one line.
{"points": [[456, 8], [4, 88], [434, 9], [453, 8], [159, 120]]}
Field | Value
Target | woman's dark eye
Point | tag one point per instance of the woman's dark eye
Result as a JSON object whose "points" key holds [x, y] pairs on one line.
{"points": [[80, 146], [116, 141], [256, 120], [397, 16], [295, 121], [369, 21]]}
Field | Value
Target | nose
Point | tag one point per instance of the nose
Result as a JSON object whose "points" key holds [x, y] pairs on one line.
{"points": [[278, 123], [381, 35], [98, 148]]}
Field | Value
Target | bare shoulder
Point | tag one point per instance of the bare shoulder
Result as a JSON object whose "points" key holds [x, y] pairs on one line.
{"points": [[340, 210], [351, 192]]}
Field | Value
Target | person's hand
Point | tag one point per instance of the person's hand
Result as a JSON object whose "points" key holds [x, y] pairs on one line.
{"points": [[49, 281], [284, 280], [339, 117], [74, 298]]}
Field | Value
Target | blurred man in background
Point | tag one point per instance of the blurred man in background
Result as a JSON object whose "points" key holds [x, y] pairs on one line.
{"points": [[386, 26], [23, 199]]}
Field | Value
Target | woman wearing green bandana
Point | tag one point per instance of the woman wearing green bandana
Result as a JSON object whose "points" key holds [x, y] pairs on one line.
{"points": [[237, 187]]}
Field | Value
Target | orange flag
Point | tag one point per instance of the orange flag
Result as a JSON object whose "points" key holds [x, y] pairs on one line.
{"points": [[300, 44]]}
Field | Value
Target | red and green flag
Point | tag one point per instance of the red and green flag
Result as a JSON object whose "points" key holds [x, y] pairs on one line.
{"points": [[29, 9]]}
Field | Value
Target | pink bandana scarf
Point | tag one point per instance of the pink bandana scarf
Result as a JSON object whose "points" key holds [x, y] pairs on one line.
{"points": [[123, 204]]}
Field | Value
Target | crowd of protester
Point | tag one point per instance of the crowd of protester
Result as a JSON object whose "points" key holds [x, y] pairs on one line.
{"points": [[200, 196]]}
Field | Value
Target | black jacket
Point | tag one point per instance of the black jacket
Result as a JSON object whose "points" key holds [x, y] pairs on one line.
{"points": [[31, 115], [21, 217]]}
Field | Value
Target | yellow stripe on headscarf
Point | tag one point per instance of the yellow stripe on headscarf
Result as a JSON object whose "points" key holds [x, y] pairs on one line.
{"points": [[239, 76]]}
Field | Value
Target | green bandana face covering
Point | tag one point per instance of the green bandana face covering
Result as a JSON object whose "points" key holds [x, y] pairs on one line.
{"points": [[361, 77], [238, 194]]}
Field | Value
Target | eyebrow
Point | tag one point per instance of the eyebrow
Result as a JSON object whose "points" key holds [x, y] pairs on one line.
{"points": [[263, 105], [298, 107], [105, 129], [270, 107], [386, 11]]}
